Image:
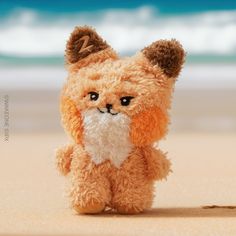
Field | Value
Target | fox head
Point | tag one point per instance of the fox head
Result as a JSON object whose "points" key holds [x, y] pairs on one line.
{"points": [[134, 91]]}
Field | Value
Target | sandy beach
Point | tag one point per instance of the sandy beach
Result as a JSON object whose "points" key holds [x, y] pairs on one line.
{"points": [[33, 202], [201, 146]]}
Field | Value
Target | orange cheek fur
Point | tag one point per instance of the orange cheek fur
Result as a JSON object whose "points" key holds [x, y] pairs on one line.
{"points": [[72, 119], [148, 126]]}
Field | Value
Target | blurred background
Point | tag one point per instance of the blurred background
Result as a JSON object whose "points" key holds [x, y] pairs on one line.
{"points": [[33, 35]]}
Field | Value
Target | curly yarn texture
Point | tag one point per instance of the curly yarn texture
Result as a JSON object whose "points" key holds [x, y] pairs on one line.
{"points": [[115, 109]]}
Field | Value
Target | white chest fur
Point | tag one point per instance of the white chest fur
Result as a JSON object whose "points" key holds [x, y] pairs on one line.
{"points": [[106, 136]]}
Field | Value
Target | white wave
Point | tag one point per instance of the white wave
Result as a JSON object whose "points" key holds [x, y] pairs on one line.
{"points": [[29, 33]]}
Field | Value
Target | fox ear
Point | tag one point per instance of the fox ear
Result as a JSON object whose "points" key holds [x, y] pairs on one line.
{"points": [[83, 42], [167, 54]]}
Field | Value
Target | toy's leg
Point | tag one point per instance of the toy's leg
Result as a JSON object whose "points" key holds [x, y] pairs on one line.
{"points": [[132, 191], [90, 192]]}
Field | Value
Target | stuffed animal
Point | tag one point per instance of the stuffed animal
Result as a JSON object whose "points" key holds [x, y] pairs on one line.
{"points": [[115, 109]]}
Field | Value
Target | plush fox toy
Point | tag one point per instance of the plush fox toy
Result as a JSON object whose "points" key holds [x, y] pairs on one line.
{"points": [[114, 109]]}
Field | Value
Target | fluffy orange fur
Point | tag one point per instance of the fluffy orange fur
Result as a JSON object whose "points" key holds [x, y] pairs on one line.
{"points": [[71, 117], [144, 132], [96, 184]]}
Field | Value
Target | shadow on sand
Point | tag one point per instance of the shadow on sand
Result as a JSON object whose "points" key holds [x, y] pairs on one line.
{"points": [[179, 212]]}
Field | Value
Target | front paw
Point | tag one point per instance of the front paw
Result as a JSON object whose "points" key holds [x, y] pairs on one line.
{"points": [[164, 169], [63, 159], [158, 165]]}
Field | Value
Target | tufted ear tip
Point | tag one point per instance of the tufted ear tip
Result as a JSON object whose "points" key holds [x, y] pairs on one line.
{"points": [[169, 55], [83, 41]]}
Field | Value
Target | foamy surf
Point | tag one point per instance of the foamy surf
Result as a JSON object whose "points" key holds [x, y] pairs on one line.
{"points": [[30, 33]]}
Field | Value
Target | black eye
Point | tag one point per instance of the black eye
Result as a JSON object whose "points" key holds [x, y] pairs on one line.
{"points": [[93, 96], [125, 101]]}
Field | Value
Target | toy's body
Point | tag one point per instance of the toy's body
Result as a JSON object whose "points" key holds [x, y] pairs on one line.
{"points": [[115, 109]]}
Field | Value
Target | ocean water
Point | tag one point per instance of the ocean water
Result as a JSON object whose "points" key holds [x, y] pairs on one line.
{"points": [[35, 32], [33, 35]]}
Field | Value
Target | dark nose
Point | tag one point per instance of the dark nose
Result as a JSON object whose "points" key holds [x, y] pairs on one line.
{"points": [[109, 106]]}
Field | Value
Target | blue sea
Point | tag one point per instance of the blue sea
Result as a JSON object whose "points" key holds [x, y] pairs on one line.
{"points": [[35, 32], [33, 35]]}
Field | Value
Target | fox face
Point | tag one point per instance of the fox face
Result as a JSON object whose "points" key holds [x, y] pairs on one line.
{"points": [[108, 104]]}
